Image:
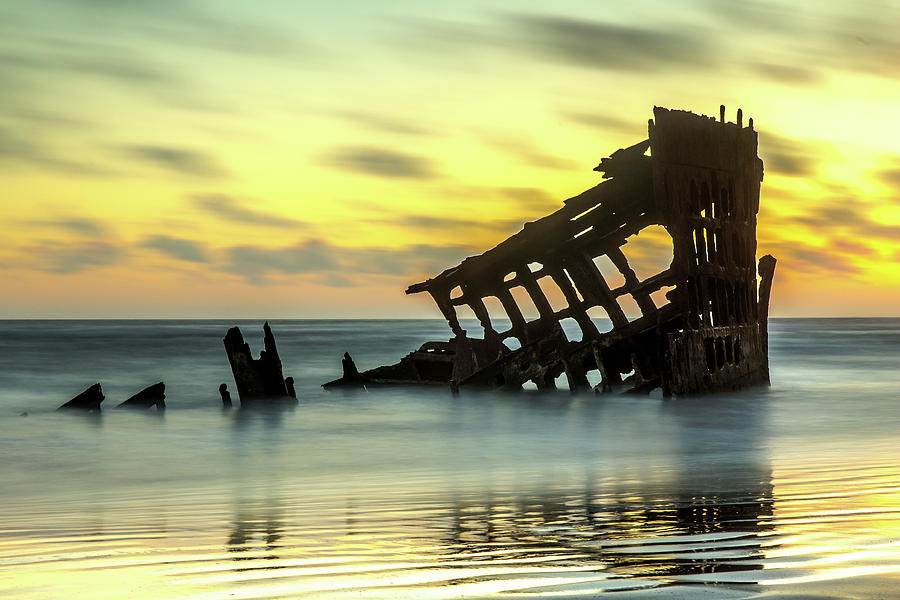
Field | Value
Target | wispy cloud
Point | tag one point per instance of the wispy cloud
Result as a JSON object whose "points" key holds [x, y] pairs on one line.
{"points": [[231, 209], [181, 161], [605, 122], [890, 176], [77, 225], [381, 162], [787, 73], [531, 199], [787, 156], [527, 153], [384, 123], [805, 258], [607, 45], [16, 148], [65, 258], [573, 41], [337, 265], [178, 248]]}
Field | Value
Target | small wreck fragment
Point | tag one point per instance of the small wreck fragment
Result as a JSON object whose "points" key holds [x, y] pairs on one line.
{"points": [[256, 379], [89, 400], [154, 395], [702, 322]]}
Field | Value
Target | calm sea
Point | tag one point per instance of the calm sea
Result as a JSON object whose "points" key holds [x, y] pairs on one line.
{"points": [[788, 491]]}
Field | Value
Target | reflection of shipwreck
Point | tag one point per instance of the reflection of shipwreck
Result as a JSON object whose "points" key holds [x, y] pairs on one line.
{"points": [[707, 329]]}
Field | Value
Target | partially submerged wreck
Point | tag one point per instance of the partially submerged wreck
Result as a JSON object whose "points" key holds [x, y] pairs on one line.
{"points": [[258, 380], [706, 330]]}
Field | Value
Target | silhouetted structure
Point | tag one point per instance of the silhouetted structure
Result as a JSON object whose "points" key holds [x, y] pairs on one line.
{"points": [[88, 400], [154, 395], [256, 379], [704, 329], [226, 395]]}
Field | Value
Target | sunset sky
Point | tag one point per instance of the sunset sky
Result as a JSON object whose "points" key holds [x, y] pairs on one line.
{"points": [[281, 158]]}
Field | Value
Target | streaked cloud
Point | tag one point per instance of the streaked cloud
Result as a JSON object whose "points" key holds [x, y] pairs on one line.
{"points": [[78, 225], [848, 215], [787, 73], [890, 176], [530, 198], [180, 161], [805, 258], [177, 248], [16, 148], [606, 122], [607, 45], [528, 153], [231, 209], [381, 162], [335, 264], [384, 123], [66, 258], [255, 262], [787, 156]]}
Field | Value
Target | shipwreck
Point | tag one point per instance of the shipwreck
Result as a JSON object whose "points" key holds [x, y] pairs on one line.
{"points": [[702, 322]]}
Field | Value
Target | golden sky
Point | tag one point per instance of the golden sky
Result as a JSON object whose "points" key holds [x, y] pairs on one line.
{"points": [[283, 158]]}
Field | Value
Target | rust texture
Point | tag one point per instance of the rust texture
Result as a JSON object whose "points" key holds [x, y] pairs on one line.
{"points": [[256, 379], [702, 321]]}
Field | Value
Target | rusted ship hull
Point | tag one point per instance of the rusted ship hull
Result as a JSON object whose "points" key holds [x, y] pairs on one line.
{"points": [[703, 320]]}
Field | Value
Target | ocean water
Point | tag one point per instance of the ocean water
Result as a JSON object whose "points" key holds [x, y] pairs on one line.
{"points": [[787, 491]]}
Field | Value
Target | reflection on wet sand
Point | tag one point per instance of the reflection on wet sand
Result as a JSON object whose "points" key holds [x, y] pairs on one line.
{"points": [[255, 531]]}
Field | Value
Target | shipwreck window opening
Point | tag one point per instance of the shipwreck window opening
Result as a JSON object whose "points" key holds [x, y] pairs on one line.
{"points": [[694, 206], [693, 315], [720, 352], [709, 349], [574, 287], [529, 385], [705, 200], [553, 293], [509, 277], [456, 293], [512, 343], [525, 303], [721, 251], [629, 306], [725, 202], [738, 354], [469, 322], [584, 212], [729, 350], [583, 231], [600, 318], [700, 246], [711, 245], [608, 270], [737, 250], [594, 378], [571, 329], [649, 252], [535, 267], [659, 296], [500, 321], [561, 382]]}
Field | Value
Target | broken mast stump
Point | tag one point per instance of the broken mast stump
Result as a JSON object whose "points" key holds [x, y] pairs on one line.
{"points": [[256, 379], [89, 400], [154, 395]]}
